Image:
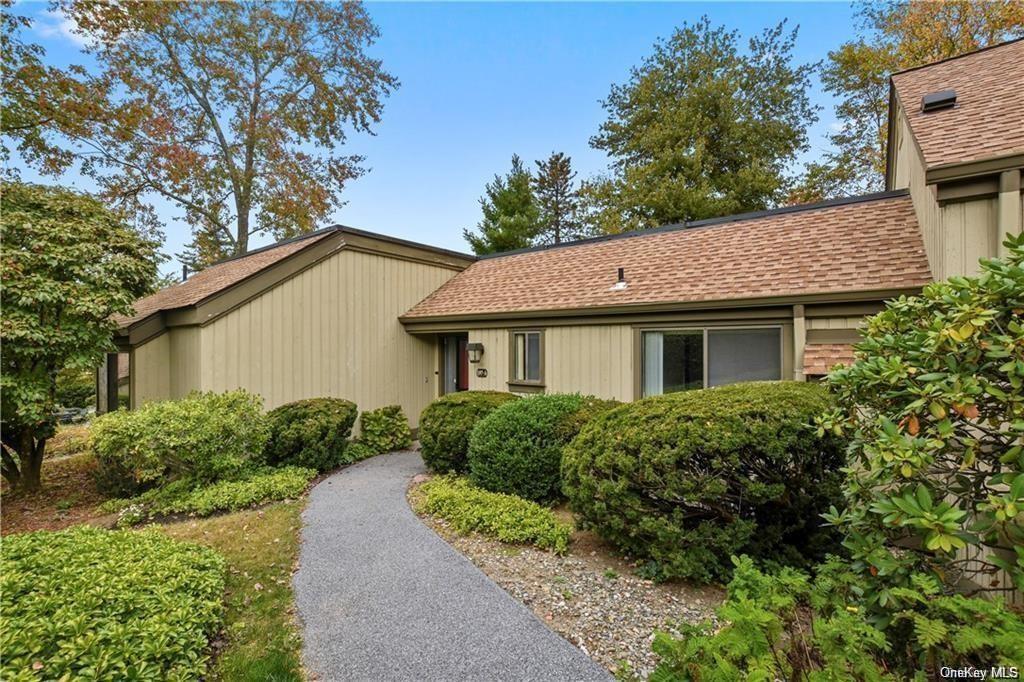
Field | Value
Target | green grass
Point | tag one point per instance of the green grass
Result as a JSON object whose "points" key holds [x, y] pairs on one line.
{"points": [[261, 547]]}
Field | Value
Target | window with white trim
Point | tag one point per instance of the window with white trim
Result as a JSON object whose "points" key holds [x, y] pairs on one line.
{"points": [[527, 363], [684, 359]]}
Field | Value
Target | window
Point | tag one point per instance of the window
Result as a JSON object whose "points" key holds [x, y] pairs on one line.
{"points": [[527, 361], [687, 359]]}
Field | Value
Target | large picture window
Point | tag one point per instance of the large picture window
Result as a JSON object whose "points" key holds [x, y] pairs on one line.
{"points": [[680, 360], [527, 360]]}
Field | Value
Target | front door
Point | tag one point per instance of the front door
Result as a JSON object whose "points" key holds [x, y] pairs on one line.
{"points": [[455, 361]]}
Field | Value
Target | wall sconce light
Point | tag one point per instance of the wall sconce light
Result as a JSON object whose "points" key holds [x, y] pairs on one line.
{"points": [[476, 351]]}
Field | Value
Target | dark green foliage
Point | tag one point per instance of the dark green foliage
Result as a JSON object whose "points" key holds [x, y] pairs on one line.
{"points": [[511, 216], [76, 388], [505, 517], [517, 448], [310, 433], [385, 429], [446, 423], [86, 603], [788, 626], [185, 496], [688, 479], [204, 437]]}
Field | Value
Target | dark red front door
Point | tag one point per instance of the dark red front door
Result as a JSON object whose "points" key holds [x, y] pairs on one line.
{"points": [[462, 384]]}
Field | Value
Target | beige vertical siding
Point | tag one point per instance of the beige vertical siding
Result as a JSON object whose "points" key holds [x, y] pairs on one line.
{"points": [[185, 349], [835, 322], [955, 235], [494, 360], [149, 371], [593, 360], [331, 330]]}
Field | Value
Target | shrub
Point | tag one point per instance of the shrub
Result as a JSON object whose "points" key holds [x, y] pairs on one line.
{"points": [[505, 517], [186, 497], [517, 448], [76, 388], [446, 423], [310, 433], [787, 626], [357, 451], [86, 603], [686, 480], [205, 436], [934, 404], [385, 429]]}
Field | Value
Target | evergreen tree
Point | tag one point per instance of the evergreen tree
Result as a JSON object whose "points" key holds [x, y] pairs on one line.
{"points": [[511, 217], [557, 200]]}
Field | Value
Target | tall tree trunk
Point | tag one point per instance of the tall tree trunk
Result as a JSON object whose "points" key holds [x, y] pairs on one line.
{"points": [[242, 222], [30, 454]]}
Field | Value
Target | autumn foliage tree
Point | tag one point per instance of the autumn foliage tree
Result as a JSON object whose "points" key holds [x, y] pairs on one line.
{"points": [[893, 36], [234, 111], [68, 264]]}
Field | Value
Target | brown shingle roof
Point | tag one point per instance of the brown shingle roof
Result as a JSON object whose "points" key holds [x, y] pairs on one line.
{"points": [[215, 278], [869, 243], [988, 119], [819, 358]]}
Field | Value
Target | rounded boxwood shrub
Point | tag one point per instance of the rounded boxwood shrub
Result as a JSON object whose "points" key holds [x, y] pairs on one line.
{"points": [[86, 603], [204, 436], [446, 423], [688, 479], [517, 448], [310, 433], [385, 429]]}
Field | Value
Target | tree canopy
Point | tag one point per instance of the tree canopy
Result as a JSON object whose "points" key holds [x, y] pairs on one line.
{"points": [[235, 112], [557, 200], [702, 128], [893, 36], [68, 265], [511, 216]]}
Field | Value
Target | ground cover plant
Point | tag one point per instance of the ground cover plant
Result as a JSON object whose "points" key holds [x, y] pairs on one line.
{"points": [[86, 603], [204, 437], [517, 448], [310, 433], [385, 429], [686, 480], [446, 424], [69, 496], [184, 496], [791, 626], [260, 639], [504, 517]]}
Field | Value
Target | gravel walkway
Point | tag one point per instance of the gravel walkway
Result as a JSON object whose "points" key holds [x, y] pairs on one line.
{"points": [[382, 597]]}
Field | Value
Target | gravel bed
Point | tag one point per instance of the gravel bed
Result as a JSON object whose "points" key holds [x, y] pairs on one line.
{"points": [[589, 596]]}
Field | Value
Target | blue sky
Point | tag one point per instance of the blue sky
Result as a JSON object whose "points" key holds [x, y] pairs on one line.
{"points": [[483, 81]]}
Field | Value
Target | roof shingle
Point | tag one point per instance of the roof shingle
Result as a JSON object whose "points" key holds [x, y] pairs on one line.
{"points": [[988, 119], [868, 244]]}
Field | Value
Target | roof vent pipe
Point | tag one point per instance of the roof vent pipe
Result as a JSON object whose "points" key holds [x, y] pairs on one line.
{"points": [[622, 274], [943, 99], [184, 272], [621, 284]]}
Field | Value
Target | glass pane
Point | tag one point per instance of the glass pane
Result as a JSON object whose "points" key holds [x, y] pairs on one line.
{"points": [[533, 356], [520, 355], [744, 355], [682, 361], [653, 345]]}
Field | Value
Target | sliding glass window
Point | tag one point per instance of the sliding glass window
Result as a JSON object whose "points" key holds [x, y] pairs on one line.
{"points": [[694, 358]]}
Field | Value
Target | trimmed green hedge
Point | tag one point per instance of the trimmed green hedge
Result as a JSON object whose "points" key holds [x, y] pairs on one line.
{"points": [[205, 436], [505, 517], [517, 448], [446, 423], [310, 433], [86, 603], [185, 497], [385, 429], [685, 480]]}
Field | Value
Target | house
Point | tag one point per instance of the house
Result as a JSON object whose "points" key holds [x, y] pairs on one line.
{"points": [[777, 294]]}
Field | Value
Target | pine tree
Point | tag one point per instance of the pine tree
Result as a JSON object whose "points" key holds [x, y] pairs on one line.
{"points": [[511, 217], [557, 200]]}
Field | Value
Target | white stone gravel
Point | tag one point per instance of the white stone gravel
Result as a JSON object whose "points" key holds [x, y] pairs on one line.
{"points": [[590, 596]]}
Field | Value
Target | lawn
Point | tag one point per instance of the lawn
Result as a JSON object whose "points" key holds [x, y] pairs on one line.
{"points": [[260, 640]]}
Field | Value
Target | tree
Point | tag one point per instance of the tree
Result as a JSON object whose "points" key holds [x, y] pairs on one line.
{"points": [[702, 129], [557, 200], [38, 99], [935, 407], [511, 217], [894, 36], [234, 111], [68, 264]]}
